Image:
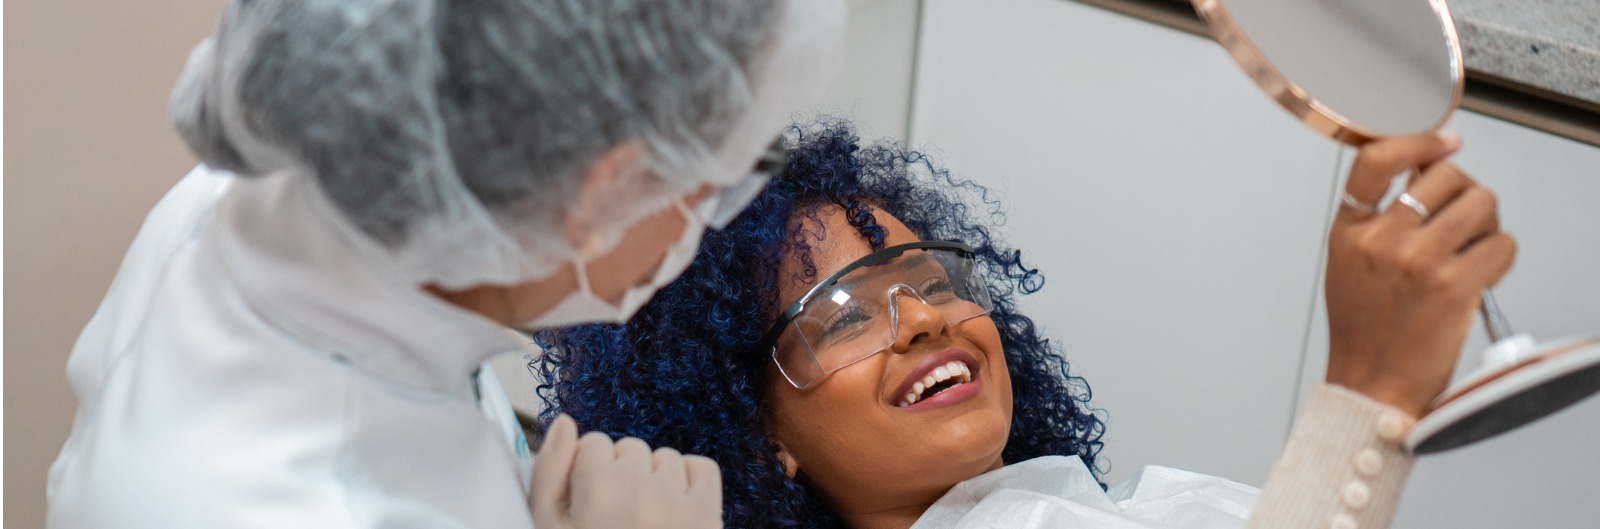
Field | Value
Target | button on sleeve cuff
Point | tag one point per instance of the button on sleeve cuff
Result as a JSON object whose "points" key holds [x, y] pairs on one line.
{"points": [[1345, 465]]}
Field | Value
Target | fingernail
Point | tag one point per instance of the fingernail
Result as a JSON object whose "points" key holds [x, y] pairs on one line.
{"points": [[1451, 139]]}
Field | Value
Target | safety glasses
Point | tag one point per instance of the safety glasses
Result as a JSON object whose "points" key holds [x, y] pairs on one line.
{"points": [[726, 202], [855, 313]]}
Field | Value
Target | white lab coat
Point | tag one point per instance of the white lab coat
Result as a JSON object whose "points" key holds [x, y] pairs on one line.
{"points": [[1058, 492], [247, 369]]}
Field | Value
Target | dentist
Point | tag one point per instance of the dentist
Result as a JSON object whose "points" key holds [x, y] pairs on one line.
{"points": [[298, 335]]}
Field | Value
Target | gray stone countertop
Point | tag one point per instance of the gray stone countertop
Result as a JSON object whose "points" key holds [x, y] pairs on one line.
{"points": [[1548, 44], [1552, 45]]}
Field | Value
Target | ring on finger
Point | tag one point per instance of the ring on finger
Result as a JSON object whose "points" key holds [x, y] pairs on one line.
{"points": [[1351, 202], [1414, 204]]}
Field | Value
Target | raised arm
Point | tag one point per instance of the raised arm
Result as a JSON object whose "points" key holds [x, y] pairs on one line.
{"points": [[1402, 290]]}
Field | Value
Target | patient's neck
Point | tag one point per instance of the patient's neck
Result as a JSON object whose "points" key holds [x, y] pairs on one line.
{"points": [[892, 510], [887, 516]]}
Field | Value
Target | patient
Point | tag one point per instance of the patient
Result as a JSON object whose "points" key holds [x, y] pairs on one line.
{"points": [[850, 352]]}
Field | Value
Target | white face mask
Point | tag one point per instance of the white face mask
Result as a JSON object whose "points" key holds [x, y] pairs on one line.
{"points": [[584, 306]]}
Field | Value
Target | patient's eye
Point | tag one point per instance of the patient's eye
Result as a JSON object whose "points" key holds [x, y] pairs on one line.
{"points": [[847, 322], [937, 289]]}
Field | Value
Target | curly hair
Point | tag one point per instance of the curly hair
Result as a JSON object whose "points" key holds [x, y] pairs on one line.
{"points": [[685, 372]]}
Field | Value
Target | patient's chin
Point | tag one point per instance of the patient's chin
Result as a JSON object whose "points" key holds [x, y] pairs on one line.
{"points": [[969, 445]]}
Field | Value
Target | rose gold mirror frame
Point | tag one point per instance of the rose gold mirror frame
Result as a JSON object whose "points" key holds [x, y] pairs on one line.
{"points": [[1226, 31]]}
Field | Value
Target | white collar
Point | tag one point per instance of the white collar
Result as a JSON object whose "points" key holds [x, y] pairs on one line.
{"points": [[306, 269], [1050, 476]]}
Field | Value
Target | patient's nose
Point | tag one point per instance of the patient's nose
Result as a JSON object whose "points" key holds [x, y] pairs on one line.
{"points": [[916, 320]]}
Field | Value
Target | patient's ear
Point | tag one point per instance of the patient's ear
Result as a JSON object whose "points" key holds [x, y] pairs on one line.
{"points": [[791, 466]]}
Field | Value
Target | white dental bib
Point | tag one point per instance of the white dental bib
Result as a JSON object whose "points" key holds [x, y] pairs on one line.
{"points": [[1059, 492]]}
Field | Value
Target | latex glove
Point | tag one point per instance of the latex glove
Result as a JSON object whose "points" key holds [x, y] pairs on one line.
{"points": [[1403, 291], [594, 483]]}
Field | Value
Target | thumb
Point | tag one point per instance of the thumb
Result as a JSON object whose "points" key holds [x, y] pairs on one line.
{"points": [[548, 492], [1378, 162]]}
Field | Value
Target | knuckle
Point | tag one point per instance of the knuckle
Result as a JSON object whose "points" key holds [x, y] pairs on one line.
{"points": [[1366, 243], [1453, 283], [1450, 171], [1447, 279], [1465, 178], [1490, 199], [594, 441], [1379, 151], [632, 444], [701, 463], [1412, 261], [704, 471], [1371, 163]]}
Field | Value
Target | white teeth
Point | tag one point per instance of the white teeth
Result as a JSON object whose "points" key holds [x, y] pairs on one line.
{"points": [[956, 370]]}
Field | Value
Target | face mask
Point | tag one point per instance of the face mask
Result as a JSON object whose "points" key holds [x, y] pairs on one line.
{"points": [[584, 306]]}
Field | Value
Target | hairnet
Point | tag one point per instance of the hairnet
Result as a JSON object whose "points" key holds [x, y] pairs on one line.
{"points": [[455, 134]]}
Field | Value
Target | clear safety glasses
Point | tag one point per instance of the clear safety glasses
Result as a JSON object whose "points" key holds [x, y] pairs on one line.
{"points": [[855, 313], [726, 202]]}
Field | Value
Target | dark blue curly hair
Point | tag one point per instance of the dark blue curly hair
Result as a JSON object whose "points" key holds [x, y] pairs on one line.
{"points": [[685, 372]]}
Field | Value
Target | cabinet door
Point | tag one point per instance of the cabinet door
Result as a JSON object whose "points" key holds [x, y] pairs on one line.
{"points": [[874, 83], [1176, 213]]}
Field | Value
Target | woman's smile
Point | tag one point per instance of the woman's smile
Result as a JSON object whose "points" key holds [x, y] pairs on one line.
{"points": [[941, 379]]}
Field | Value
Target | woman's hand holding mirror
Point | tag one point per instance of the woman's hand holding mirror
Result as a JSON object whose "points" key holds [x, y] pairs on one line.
{"points": [[1403, 283]]}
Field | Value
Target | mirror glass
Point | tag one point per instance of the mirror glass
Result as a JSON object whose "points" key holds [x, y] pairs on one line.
{"points": [[1386, 67]]}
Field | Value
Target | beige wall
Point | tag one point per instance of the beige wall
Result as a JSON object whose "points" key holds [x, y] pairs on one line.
{"points": [[88, 151]]}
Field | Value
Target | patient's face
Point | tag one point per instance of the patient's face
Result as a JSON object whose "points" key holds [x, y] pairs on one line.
{"points": [[849, 434]]}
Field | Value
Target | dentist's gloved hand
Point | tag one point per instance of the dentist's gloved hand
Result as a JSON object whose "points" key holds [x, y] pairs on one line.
{"points": [[595, 483]]}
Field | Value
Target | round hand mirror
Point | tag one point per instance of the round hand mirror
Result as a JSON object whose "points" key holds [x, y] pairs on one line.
{"points": [[1358, 70], [1354, 70]]}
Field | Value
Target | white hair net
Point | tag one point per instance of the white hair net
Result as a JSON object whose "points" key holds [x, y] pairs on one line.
{"points": [[455, 134]]}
